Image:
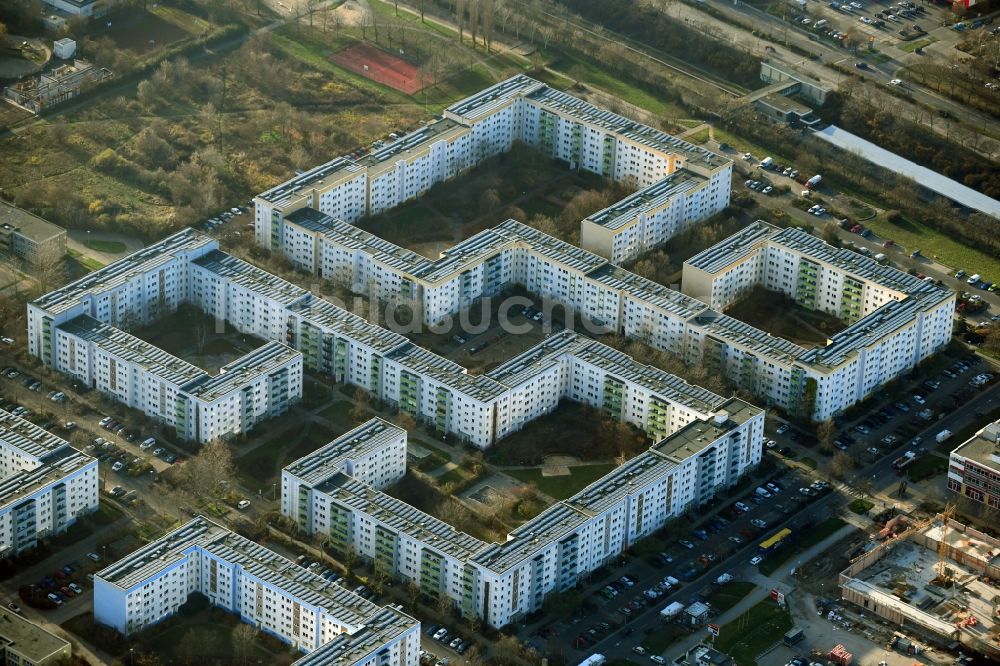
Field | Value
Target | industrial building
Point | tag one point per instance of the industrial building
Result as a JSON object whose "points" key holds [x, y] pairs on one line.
{"points": [[974, 467], [936, 581], [45, 484], [683, 183], [503, 582], [275, 595]]}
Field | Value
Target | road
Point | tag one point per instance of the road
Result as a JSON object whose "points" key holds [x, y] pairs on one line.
{"points": [[742, 14]]}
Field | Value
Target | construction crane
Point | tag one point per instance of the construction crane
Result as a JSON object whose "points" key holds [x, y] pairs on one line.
{"points": [[946, 515]]}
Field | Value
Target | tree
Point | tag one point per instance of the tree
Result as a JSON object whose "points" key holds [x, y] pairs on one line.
{"points": [[3, 34], [361, 409], [406, 421], [489, 201], [841, 465], [205, 471], [507, 651], [243, 637], [824, 433]]}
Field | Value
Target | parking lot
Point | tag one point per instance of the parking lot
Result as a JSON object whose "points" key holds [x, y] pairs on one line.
{"points": [[621, 603]]}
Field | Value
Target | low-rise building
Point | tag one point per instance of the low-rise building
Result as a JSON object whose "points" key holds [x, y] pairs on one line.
{"points": [[24, 643], [29, 238], [45, 484], [974, 467], [263, 588], [55, 86]]}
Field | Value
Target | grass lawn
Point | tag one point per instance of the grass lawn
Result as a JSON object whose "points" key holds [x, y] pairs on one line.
{"points": [[912, 46], [410, 224], [809, 462], [746, 146], [554, 79], [926, 466], [260, 466], [860, 506], [813, 536], [751, 633], [932, 243], [339, 413], [594, 75], [110, 247], [85, 264], [730, 594], [657, 641], [561, 487], [699, 137]]}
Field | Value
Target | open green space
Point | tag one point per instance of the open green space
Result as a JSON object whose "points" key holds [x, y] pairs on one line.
{"points": [[751, 633], [926, 466], [699, 137], [782, 316], [813, 535], [591, 73], [80, 263], [915, 44], [861, 506], [730, 594], [109, 247], [409, 224], [914, 235], [658, 640], [339, 413], [260, 466], [561, 487]]}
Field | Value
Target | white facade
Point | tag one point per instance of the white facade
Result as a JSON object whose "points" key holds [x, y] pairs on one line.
{"points": [[894, 320], [264, 589], [502, 582], [45, 484]]}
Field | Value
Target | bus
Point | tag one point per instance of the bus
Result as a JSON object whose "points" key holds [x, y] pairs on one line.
{"points": [[774, 541]]}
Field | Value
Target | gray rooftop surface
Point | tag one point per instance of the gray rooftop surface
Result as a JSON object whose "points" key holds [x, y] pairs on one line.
{"points": [[325, 461], [243, 370], [649, 198], [250, 277], [28, 438], [27, 638], [325, 315], [27, 224], [983, 447], [118, 273], [932, 180], [129, 348], [402, 517], [345, 649]]}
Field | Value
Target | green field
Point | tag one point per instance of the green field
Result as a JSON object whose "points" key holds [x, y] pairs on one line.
{"points": [[108, 247], [730, 594], [698, 137], [746, 146], [751, 633], [85, 264], [561, 487], [860, 506], [935, 244], [813, 536], [593, 74], [925, 467], [910, 47]]}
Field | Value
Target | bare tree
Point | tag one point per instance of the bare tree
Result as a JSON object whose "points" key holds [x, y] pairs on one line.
{"points": [[205, 471], [243, 637]]}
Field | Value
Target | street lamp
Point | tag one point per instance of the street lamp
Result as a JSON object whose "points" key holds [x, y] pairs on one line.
{"points": [[131, 656]]}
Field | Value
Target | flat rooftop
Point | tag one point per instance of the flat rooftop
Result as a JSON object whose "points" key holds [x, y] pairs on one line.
{"points": [[983, 448], [28, 438], [27, 638], [28, 224], [402, 517], [740, 245], [250, 277], [256, 560], [386, 625], [325, 315], [327, 460], [245, 369], [646, 200], [124, 270]]}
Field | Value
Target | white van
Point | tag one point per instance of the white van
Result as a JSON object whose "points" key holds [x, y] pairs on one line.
{"points": [[974, 278]]}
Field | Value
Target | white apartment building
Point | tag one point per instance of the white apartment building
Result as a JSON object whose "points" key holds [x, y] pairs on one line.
{"points": [[503, 582], [374, 453], [45, 484], [261, 587], [894, 320], [76, 330], [686, 183], [650, 217], [974, 467]]}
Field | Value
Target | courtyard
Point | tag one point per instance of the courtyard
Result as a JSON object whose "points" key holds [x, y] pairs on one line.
{"points": [[781, 316]]}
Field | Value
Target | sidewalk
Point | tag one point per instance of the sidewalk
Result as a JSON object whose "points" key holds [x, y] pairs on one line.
{"points": [[765, 585]]}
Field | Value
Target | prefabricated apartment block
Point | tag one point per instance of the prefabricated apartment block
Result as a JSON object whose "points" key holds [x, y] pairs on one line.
{"points": [[77, 330], [503, 582], [895, 320], [330, 624], [45, 484], [682, 183]]}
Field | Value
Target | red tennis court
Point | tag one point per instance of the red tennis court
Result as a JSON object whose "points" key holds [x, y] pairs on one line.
{"points": [[378, 65]]}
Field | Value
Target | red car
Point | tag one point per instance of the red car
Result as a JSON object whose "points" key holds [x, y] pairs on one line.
{"points": [[68, 592]]}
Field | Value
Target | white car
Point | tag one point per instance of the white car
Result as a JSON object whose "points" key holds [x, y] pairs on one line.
{"points": [[657, 659], [895, 82], [439, 634], [117, 467], [756, 559]]}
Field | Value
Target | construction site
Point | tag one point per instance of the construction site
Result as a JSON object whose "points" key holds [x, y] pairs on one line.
{"points": [[936, 580]]}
